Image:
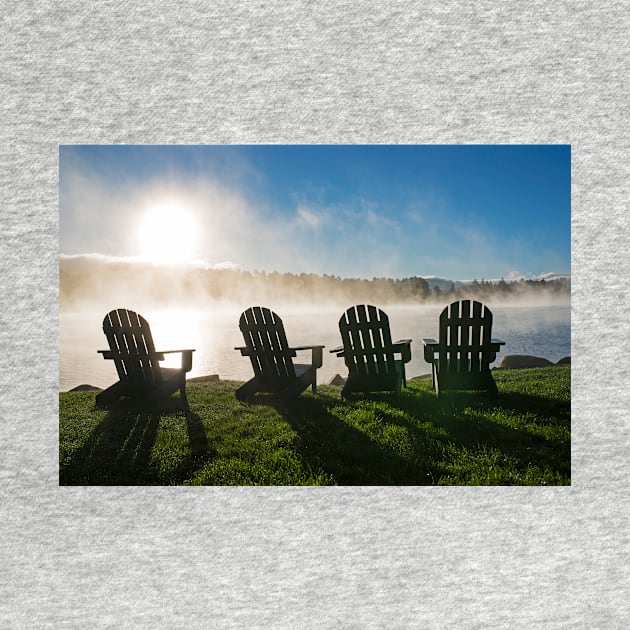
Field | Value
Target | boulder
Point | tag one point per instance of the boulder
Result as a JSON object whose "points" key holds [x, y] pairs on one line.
{"points": [[420, 377], [516, 361], [337, 380]]}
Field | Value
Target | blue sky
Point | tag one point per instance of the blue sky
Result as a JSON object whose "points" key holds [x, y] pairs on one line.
{"points": [[455, 211]]}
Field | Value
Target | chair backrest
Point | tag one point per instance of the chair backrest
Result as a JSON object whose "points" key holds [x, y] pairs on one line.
{"points": [[367, 341], [266, 341], [131, 345], [465, 336]]}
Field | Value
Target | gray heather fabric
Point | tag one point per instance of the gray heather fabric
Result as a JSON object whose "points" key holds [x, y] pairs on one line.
{"points": [[326, 72]]}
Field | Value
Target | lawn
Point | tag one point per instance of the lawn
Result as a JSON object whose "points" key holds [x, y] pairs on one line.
{"points": [[522, 436]]}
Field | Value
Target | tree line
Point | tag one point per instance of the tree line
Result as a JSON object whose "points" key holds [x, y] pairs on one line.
{"points": [[79, 282]]}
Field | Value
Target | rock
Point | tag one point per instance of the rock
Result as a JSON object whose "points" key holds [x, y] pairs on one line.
{"points": [[337, 380], [210, 378], [515, 361], [84, 388], [564, 361]]}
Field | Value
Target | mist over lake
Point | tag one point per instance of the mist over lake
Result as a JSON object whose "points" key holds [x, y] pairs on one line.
{"points": [[540, 330]]}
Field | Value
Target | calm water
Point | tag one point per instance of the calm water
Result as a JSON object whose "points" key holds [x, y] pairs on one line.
{"points": [[541, 331]]}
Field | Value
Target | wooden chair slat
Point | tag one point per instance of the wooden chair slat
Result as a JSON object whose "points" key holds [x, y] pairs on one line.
{"points": [[137, 363], [476, 334], [462, 357], [264, 334], [271, 357], [368, 351]]}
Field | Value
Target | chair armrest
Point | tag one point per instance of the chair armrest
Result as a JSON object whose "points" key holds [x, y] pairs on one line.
{"points": [[338, 351], [431, 346], [306, 347], [404, 347], [493, 347], [172, 351], [110, 354], [244, 350], [186, 357], [316, 354], [124, 356]]}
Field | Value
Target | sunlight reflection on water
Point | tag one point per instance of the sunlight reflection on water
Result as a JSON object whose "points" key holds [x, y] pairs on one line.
{"points": [[541, 331]]}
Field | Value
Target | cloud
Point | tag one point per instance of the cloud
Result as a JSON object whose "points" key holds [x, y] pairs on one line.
{"points": [[380, 221], [94, 259], [226, 264], [309, 218], [415, 217], [102, 258]]}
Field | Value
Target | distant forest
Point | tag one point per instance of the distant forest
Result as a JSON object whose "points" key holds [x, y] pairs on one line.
{"points": [[87, 280]]}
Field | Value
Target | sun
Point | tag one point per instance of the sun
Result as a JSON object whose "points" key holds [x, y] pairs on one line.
{"points": [[167, 234]]}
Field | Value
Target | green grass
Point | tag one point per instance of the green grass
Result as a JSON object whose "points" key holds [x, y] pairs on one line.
{"points": [[522, 436]]}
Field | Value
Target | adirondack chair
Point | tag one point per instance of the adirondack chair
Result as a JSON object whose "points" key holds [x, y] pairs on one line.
{"points": [[368, 352], [272, 359], [137, 362], [461, 358]]}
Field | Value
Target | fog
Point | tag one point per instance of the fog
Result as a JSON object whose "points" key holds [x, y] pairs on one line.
{"points": [[95, 282], [199, 307]]}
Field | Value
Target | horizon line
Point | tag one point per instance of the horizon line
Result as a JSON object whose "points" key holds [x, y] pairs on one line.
{"points": [[198, 263]]}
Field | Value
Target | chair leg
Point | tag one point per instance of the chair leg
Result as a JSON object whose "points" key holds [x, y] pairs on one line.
{"points": [[345, 392], [246, 390], [168, 388], [109, 395], [182, 394], [295, 388]]}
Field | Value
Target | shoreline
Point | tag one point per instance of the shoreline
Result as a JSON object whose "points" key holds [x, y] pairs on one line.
{"points": [[508, 362]]}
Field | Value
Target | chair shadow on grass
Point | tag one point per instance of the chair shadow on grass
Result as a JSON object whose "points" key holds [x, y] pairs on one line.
{"points": [[119, 449], [433, 427], [342, 452], [462, 419]]}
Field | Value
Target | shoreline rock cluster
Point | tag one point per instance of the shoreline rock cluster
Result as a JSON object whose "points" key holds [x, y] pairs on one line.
{"points": [[517, 361]]}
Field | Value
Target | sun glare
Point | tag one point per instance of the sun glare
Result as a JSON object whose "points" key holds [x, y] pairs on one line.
{"points": [[167, 234]]}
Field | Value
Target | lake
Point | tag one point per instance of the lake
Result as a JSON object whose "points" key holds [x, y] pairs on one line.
{"points": [[543, 331]]}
